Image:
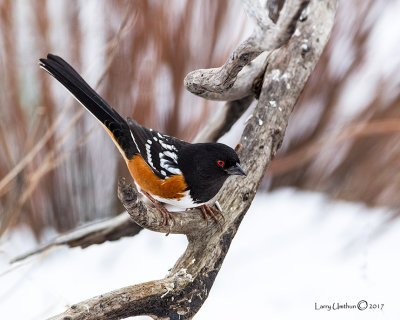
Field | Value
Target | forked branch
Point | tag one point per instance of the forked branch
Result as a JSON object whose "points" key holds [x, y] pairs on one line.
{"points": [[181, 294], [228, 82]]}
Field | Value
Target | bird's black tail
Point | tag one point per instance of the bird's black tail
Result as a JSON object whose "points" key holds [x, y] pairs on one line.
{"points": [[114, 124]]}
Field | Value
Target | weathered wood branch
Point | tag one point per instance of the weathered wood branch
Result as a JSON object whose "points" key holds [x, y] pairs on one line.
{"points": [[183, 291], [242, 87], [216, 83], [148, 217], [95, 233], [274, 8]]}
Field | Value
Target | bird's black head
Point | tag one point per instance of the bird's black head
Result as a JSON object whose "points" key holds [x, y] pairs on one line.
{"points": [[206, 166], [220, 160]]}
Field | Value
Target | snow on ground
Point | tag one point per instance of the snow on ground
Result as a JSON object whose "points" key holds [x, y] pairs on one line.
{"points": [[295, 252]]}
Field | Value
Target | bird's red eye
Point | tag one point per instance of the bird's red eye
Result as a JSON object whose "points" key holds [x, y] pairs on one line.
{"points": [[220, 163]]}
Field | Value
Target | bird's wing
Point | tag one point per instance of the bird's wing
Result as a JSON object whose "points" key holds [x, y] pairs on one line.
{"points": [[160, 151]]}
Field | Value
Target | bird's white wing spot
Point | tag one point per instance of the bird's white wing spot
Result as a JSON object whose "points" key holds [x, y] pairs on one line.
{"points": [[167, 146], [166, 164], [171, 155], [148, 153], [133, 138]]}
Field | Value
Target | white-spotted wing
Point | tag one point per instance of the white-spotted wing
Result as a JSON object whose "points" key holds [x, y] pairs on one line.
{"points": [[158, 150]]}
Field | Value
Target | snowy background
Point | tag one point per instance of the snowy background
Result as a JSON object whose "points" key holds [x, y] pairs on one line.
{"points": [[293, 249]]}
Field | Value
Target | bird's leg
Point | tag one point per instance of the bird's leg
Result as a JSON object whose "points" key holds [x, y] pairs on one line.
{"points": [[166, 214], [207, 210], [218, 210], [202, 210], [204, 214]]}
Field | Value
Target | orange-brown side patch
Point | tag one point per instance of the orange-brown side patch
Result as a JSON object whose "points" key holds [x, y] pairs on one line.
{"points": [[170, 188]]}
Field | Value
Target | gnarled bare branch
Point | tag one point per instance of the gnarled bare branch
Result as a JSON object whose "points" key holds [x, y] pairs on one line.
{"points": [[197, 81], [94, 233], [148, 217], [215, 83], [183, 291]]}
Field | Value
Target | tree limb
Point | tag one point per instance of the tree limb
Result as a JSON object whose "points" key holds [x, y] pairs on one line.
{"points": [[94, 233], [181, 294], [197, 81], [215, 83]]}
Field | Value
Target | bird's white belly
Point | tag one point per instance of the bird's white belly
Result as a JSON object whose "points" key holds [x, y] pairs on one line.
{"points": [[185, 202]]}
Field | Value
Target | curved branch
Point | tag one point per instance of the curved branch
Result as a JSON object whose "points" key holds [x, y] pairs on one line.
{"points": [[148, 217], [183, 291], [218, 83], [198, 81]]}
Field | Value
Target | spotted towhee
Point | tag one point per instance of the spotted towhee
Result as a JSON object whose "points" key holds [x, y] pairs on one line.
{"points": [[165, 169]]}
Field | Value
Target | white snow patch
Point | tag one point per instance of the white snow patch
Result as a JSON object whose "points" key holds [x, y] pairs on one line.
{"points": [[293, 249]]}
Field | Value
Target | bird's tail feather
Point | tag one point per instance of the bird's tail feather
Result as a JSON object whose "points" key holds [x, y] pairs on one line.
{"points": [[114, 124]]}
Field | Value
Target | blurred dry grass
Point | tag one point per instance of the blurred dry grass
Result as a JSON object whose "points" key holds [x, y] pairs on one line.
{"points": [[343, 138], [138, 53]]}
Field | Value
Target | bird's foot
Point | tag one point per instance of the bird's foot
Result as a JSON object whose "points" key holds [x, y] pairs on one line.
{"points": [[168, 218], [207, 210]]}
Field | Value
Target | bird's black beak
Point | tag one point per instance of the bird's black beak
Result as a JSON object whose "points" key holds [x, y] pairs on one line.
{"points": [[236, 170]]}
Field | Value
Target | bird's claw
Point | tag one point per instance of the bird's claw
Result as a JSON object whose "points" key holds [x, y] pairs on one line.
{"points": [[207, 210]]}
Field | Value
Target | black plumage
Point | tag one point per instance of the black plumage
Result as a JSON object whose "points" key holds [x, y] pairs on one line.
{"points": [[152, 143], [203, 175], [89, 98]]}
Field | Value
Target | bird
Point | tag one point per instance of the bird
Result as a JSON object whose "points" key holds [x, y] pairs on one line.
{"points": [[164, 169]]}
